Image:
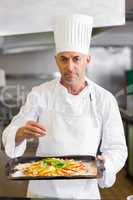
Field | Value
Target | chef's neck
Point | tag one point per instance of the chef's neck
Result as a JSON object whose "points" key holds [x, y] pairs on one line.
{"points": [[74, 89]]}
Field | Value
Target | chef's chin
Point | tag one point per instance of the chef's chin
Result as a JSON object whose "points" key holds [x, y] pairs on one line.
{"points": [[70, 81]]}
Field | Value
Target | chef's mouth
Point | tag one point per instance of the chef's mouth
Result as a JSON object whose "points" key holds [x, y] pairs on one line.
{"points": [[70, 75]]}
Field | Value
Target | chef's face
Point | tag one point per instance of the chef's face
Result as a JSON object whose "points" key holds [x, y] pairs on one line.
{"points": [[72, 66]]}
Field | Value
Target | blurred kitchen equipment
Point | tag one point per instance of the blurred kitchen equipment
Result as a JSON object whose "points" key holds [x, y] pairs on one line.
{"points": [[2, 85], [129, 91], [128, 124], [30, 27], [35, 16], [127, 116], [2, 78]]}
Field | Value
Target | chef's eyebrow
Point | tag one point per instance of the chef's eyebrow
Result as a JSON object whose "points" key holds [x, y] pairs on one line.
{"points": [[77, 56], [63, 56]]}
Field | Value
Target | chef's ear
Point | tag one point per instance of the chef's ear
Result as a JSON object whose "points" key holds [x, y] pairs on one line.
{"points": [[55, 58], [88, 59]]}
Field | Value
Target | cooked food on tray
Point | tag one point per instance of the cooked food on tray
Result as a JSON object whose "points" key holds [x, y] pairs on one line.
{"points": [[55, 167]]}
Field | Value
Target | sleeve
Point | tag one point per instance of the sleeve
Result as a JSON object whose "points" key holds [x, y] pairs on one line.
{"points": [[29, 111], [113, 145]]}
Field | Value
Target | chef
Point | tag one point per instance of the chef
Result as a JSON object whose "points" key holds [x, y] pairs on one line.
{"points": [[70, 115]]}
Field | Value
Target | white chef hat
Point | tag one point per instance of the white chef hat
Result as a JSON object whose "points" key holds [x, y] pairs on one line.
{"points": [[73, 33]]}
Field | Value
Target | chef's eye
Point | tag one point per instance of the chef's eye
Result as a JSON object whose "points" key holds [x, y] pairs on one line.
{"points": [[63, 59], [76, 59]]}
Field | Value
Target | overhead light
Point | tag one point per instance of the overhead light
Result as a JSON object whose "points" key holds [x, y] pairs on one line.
{"points": [[21, 49]]}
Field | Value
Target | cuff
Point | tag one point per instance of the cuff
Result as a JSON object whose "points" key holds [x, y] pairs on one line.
{"points": [[109, 175], [10, 147]]}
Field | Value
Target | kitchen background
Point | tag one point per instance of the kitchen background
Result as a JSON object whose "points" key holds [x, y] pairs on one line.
{"points": [[28, 59]]}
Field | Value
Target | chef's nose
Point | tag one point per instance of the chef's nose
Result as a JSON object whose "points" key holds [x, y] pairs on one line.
{"points": [[70, 65]]}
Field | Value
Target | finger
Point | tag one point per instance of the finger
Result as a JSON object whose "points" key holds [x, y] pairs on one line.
{"points": [[30, 134], [35, 129], [36, 124], [100, 157]]}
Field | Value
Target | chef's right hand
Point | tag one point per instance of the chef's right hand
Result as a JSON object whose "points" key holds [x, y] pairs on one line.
{"points": [[31, 129]]}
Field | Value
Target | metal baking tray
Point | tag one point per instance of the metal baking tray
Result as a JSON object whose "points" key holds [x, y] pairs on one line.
{"points": [[11, 164]]}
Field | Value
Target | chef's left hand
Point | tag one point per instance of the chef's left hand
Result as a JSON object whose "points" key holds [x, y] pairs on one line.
{"points": [[101, 162], [100, 157]]}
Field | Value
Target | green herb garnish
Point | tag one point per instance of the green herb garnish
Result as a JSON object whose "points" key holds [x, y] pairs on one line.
{"points": [[54, 162]]}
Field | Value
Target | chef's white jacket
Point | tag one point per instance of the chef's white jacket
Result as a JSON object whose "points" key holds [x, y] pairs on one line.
{"points": [[75, 125]]}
